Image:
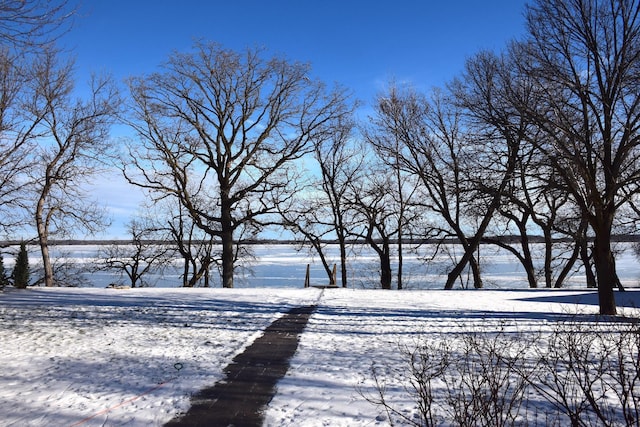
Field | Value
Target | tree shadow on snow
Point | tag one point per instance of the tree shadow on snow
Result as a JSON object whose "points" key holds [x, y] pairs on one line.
{"points": [[171, 309], [626, 299]]}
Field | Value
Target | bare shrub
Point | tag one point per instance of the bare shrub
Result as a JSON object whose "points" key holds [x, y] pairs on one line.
{"points": [[589, 372], [580, 373], [488, 378], [474, 379], [424, 363]]}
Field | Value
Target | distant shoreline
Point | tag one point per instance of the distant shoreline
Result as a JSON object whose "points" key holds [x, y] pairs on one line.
{"points": [[104, 242]]}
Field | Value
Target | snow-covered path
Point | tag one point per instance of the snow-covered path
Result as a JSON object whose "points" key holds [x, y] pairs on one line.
{"points": [[106, 357]]}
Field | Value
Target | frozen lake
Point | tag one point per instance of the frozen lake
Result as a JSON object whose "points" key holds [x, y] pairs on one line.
{"points": [[284, 266]]}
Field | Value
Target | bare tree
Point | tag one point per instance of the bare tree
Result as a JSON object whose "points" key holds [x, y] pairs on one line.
{"points": [[27, 27], [307, 217], [221, 131], [435, 148], [385, 136], [197, 250], [582, 58], [376, 218], [72, 137], [147, 251], [535, 201], [194, 246], [321, 213], [497, 136]]}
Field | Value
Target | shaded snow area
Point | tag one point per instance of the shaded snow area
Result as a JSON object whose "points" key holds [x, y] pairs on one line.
{"points": [[123, 357], [132, 357]]}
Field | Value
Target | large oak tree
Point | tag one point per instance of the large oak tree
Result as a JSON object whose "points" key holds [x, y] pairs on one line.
{"points": [[222, 131]]}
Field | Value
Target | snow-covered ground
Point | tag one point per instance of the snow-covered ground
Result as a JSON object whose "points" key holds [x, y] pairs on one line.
{"points": [[132, 357], [122, 357]]}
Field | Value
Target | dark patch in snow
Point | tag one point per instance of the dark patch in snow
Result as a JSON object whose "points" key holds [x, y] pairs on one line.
{"points": [[251, 378]]}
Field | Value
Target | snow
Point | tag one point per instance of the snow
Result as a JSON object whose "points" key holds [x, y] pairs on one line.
{"points": [[123, 357], [354, 330], [132, 357]]}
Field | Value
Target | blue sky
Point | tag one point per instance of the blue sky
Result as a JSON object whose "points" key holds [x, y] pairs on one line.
{"points": [[359, 44]]}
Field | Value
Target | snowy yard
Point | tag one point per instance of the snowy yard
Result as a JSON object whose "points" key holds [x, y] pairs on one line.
{"points": [[69, 354], [107, 357]]}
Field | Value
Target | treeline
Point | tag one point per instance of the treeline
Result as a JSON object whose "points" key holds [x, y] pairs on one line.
{"points": [[540, 139]]}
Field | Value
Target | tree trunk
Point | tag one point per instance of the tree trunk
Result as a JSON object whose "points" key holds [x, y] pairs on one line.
{"points": [[472, 244], [385, 269], [605, 270], [457, 271], [134, 279], [226, 236], [467, 258], [46, 261], [527, 258], [548, 257], [227, 260], [384, 254], [568, 266], [316, 243], [586, 262], [43, 240], [580, 248], [475, 271], [400, 260], [530, 269], [343, 262], [185, 272]]}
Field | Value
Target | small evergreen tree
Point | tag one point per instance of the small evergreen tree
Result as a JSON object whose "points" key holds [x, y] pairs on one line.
{"points": [[4, 279], [21, 269]]}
